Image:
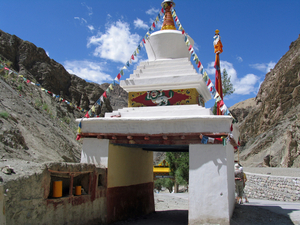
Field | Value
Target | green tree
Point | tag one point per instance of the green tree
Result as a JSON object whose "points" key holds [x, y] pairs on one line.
{"points": [[227, 87], [179, 166], [226, 84]]}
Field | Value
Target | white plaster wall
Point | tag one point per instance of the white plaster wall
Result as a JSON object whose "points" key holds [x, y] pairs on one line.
{"points": [[2, 206], [95, 151], [230, 172], [157, 124], [230, 177], [167, 44], [208, 185]]}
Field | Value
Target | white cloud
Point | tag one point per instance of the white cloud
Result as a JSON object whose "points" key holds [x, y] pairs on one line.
{"points": [[90, 9], [47, 53], [239, 59], [91, 27], [138, 23], [246, 85], [116, 44], [242, 86], [152, 11], [82, 20], [264, 67], [88, 70]]}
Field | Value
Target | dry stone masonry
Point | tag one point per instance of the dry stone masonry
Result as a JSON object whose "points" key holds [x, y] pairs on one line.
{"points": [[279, 188]]}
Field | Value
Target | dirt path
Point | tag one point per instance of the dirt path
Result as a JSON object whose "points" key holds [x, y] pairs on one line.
{"points": [[172, 209]]}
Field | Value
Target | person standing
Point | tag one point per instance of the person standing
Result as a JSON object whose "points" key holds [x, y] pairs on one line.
{"points": [[239, 177]]}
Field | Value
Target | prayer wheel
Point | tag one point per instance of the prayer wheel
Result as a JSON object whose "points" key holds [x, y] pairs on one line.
{"points": [[78, 190], [57, 189]]}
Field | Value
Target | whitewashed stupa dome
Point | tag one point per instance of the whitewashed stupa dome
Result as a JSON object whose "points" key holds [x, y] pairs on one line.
{"points": [[167, 44]]}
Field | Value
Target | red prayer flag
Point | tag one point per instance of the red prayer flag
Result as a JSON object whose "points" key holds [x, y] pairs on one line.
{"points": [[182, 31], [119, 76], [190, 47], [176, 18], [144, 41], [28, 81], [220, 103], [162, 10], [153, 24], [104, 94], [6, 68], [199, 64], [87, 115], [78, 137], [132, 57], [208, 82]]}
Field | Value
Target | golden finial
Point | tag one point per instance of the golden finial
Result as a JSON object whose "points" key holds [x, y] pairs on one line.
{"points": [[217, 32]]}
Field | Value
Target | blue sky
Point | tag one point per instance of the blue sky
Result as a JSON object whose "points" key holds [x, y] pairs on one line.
{"points": [[93, 39]]}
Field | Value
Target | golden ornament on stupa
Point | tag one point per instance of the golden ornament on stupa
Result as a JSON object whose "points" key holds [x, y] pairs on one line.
{"points": [[168, 19]]}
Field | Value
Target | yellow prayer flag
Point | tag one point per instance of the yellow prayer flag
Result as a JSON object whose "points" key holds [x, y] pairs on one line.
{"points": [[78, 130], [93, 108], [111, 87]]}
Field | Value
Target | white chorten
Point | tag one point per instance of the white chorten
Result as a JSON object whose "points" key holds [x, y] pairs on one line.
{"points": [[165, 112]]}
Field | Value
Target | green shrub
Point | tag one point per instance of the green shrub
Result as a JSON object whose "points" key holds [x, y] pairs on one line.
{"points": [[158, 183], [38, 103], [164, 182], [19, 88], [4, 115], [45, 107], [67, 120]]}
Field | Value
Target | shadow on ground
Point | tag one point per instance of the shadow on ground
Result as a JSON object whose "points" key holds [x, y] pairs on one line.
{"points": [[260, 215], [169, 217], [242, 215]]}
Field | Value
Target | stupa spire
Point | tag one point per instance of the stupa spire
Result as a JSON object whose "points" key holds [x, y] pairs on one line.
{"points": [[168, 20]]}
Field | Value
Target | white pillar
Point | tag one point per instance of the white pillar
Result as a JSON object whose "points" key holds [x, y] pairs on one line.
{"points": [[2, 206], [210, 199], [95, 151]]}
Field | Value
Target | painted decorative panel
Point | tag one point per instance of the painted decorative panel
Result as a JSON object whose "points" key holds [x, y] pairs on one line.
{"points": [[163, 97]]}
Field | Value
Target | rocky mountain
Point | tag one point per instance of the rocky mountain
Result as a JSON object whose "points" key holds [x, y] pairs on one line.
{"points": [[34, 126], [270, 128]]}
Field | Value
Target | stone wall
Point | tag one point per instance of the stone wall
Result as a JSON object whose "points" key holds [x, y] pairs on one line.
{"points": [[279, 188], [28, 199]]}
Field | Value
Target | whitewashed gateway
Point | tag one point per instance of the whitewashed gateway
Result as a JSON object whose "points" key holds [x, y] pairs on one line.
{"points": [[165, 112]]}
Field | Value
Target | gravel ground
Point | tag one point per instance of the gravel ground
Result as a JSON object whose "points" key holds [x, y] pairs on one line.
{"points": [[172, 209]]}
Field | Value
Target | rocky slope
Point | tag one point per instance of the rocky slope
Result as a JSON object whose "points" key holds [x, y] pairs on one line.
{"points": [[270, 130], [34, 64], [34, 126]]}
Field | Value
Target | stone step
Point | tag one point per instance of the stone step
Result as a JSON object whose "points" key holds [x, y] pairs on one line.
{"points": [[162, 74], [158, 111], [163, 69], [165, 62]]}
